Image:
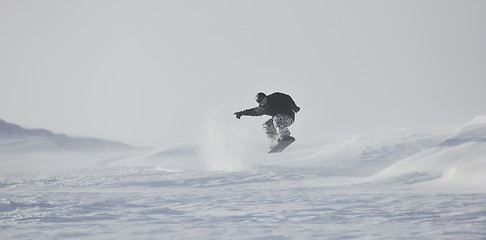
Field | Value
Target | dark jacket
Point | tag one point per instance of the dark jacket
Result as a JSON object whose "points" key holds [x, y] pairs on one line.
{"points": [[276, 103]]}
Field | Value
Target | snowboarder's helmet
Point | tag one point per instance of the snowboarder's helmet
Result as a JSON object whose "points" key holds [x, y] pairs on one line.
{"points": [[260, 97]]}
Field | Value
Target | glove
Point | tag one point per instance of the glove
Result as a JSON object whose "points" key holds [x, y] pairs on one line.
{"points": [[297, 109], [238, 114]]}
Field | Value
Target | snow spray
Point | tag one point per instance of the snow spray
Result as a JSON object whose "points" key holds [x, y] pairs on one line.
{"points": [[226, 145]]}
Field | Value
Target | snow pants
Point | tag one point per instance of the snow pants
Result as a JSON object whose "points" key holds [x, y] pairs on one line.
{"points": [[276, 127]]}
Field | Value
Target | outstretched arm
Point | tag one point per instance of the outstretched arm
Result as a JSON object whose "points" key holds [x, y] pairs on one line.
{"points": [[249, 112]]}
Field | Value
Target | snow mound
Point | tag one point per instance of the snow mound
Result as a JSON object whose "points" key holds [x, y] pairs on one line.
{"points": [[478, 120], [184, 158], [458, 162], [475, 131]]}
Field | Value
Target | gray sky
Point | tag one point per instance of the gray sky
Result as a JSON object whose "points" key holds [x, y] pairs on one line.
{"points": [[154, 72]]}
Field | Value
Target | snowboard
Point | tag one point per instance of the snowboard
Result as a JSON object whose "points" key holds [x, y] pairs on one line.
{"points": [[284, 143]]}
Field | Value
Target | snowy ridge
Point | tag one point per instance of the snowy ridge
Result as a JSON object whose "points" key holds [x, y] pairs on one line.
{"points": [[16, 139], [454, 154], [39, 151]]}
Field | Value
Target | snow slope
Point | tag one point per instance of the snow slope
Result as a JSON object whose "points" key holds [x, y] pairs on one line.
{"points": [[404, 184]]}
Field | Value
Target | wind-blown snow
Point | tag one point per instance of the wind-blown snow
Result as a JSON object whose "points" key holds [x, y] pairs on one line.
{"points": [[406, 184]]}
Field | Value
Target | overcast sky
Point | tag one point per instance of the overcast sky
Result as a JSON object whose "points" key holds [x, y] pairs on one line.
{"points": [[153, 72]]}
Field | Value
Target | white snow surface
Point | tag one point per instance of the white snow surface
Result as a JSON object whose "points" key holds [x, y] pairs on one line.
{"points": [[404, 184]]}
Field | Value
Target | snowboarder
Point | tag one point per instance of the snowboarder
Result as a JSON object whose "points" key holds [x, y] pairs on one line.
{"points": [[281, 107]]}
